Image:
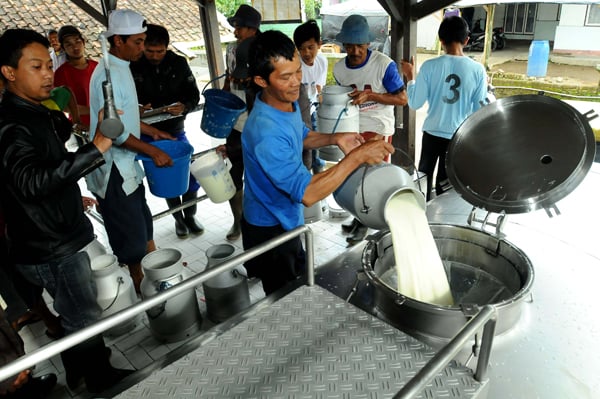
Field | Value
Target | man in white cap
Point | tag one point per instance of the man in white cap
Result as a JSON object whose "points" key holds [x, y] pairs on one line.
{"points": [[378, 87], [117, 185]]}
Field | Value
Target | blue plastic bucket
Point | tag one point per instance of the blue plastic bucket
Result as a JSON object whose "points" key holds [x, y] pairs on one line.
{"points": [[537, 61], [221, 110], [169, 181]]}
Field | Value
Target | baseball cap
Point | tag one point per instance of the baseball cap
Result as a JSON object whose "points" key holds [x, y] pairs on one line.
{"points": [[245, 16], [355, 30], [241, 59], [68, 30], [125, 22]]}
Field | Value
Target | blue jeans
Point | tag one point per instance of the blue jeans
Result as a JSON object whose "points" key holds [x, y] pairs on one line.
{"points": [[69, 281]]}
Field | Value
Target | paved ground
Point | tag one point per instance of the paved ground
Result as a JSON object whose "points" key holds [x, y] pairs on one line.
{"points": [[562, 69]]}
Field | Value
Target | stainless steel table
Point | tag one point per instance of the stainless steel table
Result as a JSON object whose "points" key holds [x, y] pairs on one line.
{"points": [[308, 344]]}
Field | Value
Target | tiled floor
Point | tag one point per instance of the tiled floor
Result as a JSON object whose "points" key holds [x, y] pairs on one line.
{"points": [[138, 348]]}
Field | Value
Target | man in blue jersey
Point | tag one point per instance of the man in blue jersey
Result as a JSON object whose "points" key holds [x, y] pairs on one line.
{"points": [[454, 86], [277, 184]]}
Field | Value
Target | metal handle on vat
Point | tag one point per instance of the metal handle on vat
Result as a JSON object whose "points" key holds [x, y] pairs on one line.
{"points": [[498, 223]]}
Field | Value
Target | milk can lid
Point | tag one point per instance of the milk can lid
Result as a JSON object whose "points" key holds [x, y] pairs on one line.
{"points": [[520, 153]]}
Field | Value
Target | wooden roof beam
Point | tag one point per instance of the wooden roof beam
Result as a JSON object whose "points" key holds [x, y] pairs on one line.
{"points": [[391, 7], [97, 15], [426, 7]]}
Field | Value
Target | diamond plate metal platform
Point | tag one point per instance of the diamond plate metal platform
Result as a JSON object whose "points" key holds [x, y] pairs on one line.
{"points": [[309, 344]]}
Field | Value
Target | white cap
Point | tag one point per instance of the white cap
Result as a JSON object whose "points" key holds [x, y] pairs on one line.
{"points": [[125, 22]]}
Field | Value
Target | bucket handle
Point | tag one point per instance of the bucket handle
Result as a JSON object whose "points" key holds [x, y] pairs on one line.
{"points": [[413, 164], [120, 282], [366, 208], [337, 122], [210, 81]]}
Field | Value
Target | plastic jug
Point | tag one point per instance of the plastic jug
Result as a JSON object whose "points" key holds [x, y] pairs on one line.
{"points": [[212, 172]]}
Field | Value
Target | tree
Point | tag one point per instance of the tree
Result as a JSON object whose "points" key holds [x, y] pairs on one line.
{"points": [[229, 7]]}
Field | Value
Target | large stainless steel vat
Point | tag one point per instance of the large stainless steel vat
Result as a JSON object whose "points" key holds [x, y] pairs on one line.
{"points": [[482, 269], [515, 155]]}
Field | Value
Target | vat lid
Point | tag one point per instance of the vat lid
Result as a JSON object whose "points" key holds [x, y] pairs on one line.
{"points": [[520, 153]]}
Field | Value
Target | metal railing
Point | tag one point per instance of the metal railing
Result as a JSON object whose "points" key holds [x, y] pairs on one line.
{"points": [[54, 348], [486, 318]]}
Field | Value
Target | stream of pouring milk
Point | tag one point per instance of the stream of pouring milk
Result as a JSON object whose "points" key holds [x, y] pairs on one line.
{"points": [[421, 274]]}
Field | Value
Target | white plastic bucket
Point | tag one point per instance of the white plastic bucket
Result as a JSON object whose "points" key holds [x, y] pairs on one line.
{"points": [[212, 172]]}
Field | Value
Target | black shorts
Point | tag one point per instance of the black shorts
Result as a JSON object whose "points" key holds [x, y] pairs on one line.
{"points": [[278, 266], [127, 220]]}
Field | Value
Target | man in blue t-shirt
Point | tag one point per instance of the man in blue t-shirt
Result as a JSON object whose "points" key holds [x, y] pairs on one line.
{"points": [[455, 86], [277, 184]]}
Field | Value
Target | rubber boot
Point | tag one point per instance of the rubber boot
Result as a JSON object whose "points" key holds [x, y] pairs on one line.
{"points": [[349, 228], [71, 359], [358, 233], [189, 219], [180, 228], [235, 203]]}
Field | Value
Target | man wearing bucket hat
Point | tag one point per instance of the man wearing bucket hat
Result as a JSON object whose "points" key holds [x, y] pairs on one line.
{"points": [[378, 87], [246, 24], [277, 184], [42, 201], [164, 79], [118, 185]]}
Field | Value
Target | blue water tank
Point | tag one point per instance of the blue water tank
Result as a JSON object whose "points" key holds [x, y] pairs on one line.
{"points": [[537, 61]]}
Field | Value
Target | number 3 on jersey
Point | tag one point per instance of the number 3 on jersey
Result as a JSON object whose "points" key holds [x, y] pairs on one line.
{"points": [[454, 81]]}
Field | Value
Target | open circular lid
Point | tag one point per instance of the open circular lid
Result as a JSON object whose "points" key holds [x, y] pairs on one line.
{"points": [[520, 153]]}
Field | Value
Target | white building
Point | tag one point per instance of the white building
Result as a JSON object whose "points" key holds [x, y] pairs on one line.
{"points": [[571, 27]]}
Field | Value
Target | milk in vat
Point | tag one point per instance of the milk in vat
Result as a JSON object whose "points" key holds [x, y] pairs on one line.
{"points": [[419, 269]]}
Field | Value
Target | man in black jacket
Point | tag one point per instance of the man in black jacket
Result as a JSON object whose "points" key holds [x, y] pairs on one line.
{"points": [[164, 79], [46, 225]]}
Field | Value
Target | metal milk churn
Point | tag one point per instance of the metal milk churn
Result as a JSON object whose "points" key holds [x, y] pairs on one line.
{"points": [[336, 114], [178, 317], [115, 290], [227, 293], [367, 190], [94, 248]]}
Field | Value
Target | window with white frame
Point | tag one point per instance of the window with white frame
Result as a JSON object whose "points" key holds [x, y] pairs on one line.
{"points": [[593, 15]]}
